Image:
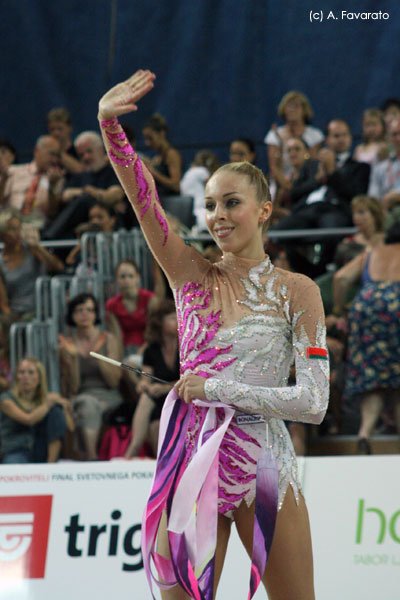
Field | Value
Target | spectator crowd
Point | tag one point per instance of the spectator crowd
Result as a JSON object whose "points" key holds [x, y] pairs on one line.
{"points": [[319, 180]]}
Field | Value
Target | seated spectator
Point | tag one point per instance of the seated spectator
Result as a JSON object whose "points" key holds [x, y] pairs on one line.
{"points": [[295, 109], [97, 183], [322, 194], [385, 176], [374, 147], [298, 153], [242, 149], [90, 383], [161, 359], [101, 219], [59, 125], [33, 422], [33, 188], [328, 186], [8, 154], [194, 181], [373, 369], [368, 217], [391, 111], [128, 311], [167, 163], [22, 260]]}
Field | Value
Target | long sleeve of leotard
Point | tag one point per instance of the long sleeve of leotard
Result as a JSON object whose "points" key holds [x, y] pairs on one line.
{"points": [[174, 256], [307, 400]]}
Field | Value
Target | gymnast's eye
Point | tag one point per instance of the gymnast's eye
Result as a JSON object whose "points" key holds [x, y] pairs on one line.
{"points": [[232, 202]]}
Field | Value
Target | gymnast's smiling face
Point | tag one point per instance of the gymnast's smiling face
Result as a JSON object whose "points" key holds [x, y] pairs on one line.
{"points": [[235, 215]]}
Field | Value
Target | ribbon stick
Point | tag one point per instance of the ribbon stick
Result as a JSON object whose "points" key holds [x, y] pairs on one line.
{"points": [[116, 363]]}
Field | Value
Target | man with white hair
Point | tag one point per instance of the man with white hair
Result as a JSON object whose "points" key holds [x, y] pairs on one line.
{"points": [[97, 183], [32, 188]]}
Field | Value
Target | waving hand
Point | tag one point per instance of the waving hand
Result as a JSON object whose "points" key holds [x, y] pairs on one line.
{"points": [[122, 98]]}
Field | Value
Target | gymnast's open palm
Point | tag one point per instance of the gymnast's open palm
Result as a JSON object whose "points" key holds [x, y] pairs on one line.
{"points": [[122, 98]]}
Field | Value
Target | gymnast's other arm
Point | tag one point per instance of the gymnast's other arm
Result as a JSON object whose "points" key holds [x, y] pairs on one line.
{"points": [[306, 401]]}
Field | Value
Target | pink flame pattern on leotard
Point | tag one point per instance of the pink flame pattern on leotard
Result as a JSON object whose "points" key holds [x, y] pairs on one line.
{"points": [[196, 334], [119, 144], [197, 331]]}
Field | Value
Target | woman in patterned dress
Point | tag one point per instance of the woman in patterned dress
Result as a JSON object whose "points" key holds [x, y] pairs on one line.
{"points": [[224, 452], [373, 368]]}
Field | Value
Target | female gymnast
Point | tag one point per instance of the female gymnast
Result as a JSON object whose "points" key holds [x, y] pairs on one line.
{"points": [[224, 453]]}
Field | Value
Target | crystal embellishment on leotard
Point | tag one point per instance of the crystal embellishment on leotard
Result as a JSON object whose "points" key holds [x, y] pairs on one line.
{"points": [[261, 297], [306, 401], [266, 344]]}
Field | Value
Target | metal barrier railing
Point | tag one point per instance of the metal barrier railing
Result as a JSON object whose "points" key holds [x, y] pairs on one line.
{"points": [[40, 337], [273, 234]]}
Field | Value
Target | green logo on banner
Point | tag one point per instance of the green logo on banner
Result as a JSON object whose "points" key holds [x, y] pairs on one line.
{"points": [[378, 522]]}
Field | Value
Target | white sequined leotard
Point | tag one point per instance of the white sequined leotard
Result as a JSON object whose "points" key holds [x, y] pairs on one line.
{"points": [[242, 323]]}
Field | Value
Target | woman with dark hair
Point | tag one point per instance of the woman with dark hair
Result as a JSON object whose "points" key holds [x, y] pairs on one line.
{"points": [[161, 358], [8, 154], [166, 164], [298, 152], [373, 367], [391, 110], [33, 422], [91, 384], [241, 149]]}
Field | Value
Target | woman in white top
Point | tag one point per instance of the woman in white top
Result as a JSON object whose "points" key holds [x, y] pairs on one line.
{"points": [[295, 110]]}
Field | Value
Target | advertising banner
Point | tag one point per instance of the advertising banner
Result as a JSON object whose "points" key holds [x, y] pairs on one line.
{"points": [[354, 507], [72, 530], [85, 520]]}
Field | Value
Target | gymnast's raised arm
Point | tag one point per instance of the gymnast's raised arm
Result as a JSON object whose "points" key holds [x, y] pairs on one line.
{"points": [[171, 252]]}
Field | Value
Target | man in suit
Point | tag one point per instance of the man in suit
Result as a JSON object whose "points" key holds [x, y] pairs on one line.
{"points": [[322, 193]]}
